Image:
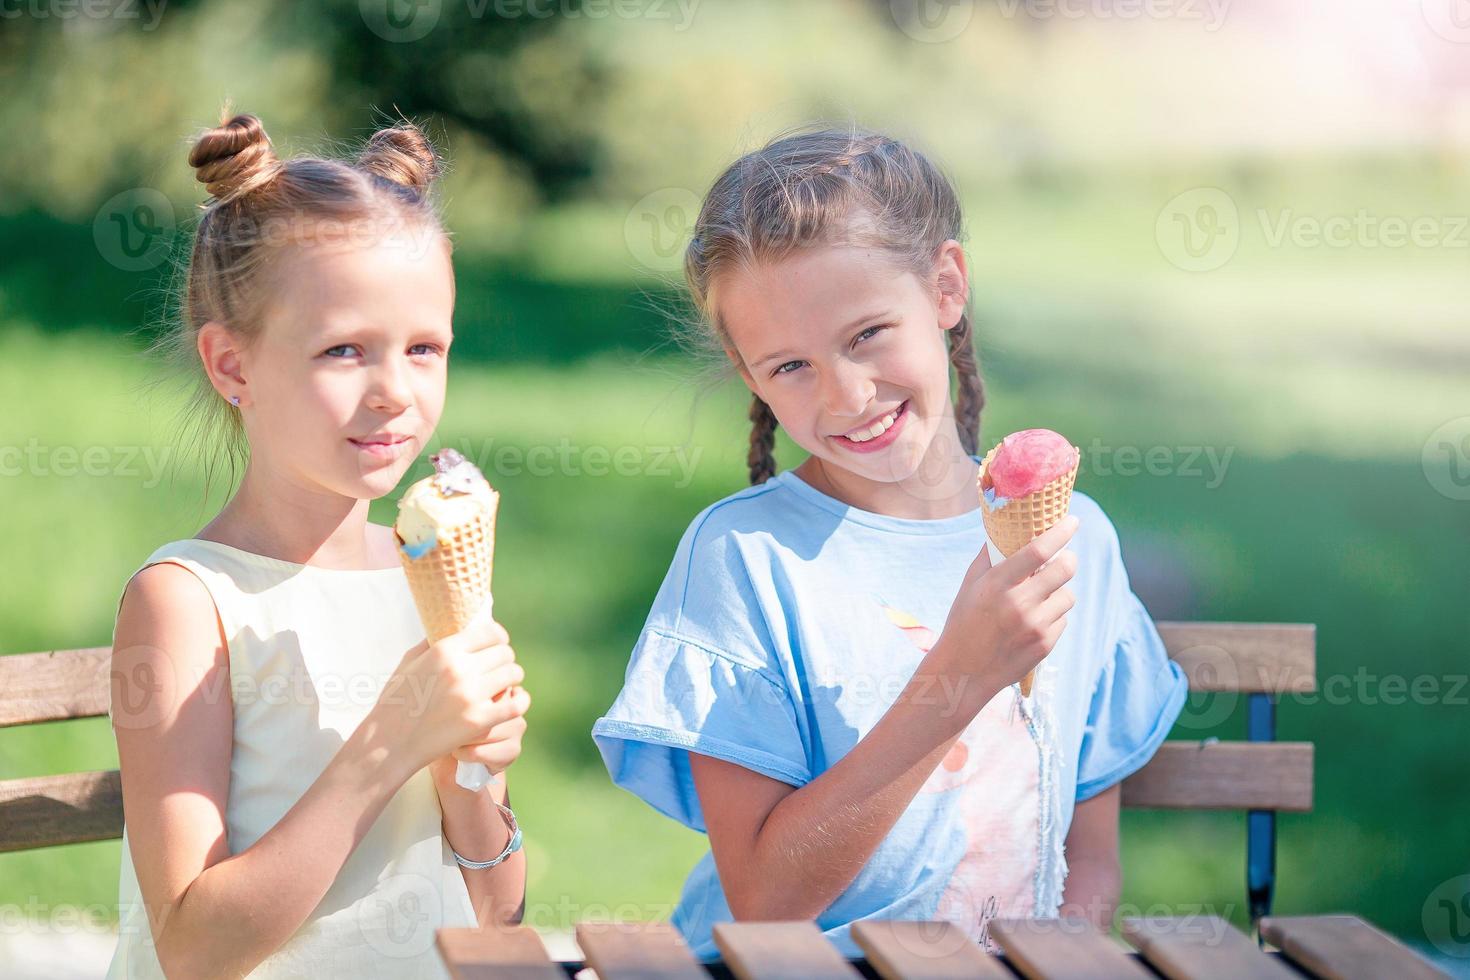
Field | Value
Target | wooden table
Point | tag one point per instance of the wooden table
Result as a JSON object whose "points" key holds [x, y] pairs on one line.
{"points": [[1340, 947]]}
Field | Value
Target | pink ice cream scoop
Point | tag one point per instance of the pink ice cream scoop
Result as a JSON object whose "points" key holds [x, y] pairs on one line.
{"points": [[1028, 460]]}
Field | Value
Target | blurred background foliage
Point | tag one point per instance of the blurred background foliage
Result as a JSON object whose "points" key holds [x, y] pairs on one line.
{"points": [[1330, 376]]}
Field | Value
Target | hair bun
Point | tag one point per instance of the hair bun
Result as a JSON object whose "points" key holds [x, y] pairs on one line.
{"points": [[403, 155], [234, 158]]}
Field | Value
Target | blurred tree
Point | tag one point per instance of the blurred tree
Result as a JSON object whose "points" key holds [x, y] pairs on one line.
{"points": [[491, 67]]}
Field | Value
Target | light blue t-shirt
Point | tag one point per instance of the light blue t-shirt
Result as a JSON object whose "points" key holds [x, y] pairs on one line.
{"points": [[788, 624]]}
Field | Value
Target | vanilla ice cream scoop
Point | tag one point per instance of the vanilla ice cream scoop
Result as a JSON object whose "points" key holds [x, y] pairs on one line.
{"points": [[457, 494]]}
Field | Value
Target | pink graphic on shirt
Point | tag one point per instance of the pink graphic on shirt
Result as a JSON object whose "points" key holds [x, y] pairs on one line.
{"points": [[994, 773]]}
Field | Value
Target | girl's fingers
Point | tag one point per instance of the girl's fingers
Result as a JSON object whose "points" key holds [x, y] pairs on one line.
{"points": [[1019, 567], [493, 711], [981, 564], [481, 634], [502, 677], [1054, 633], [513, 728], [1055, 606], [1050, 577], [494, 756], [491, 658]]}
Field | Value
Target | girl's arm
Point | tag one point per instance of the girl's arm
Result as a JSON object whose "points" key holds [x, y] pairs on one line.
{"points": [[474, 828], [787, 853], [212, 913], [1094, 875]]}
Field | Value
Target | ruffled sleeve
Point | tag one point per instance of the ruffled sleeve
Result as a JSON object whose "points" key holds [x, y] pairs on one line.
{"points": [[704, 677], [1138, 694]]}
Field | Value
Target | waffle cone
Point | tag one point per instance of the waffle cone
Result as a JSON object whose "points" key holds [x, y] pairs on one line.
{"points": [[1012, 527], [451, 581]]}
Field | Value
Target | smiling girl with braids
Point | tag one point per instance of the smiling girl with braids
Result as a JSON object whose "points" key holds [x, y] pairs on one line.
{"points": [[827, 682]]}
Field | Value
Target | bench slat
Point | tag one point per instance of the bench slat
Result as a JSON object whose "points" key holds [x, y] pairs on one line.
{"points": [[43, 811], [636, 950], [1344, 947], [780, 951], [1224, 776], [906, 950], [1201, 947], [1277, 658], [1046, 949], [496, 953], [54, 686]]}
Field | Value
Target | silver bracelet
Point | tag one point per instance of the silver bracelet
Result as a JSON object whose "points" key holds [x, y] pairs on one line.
{"points": [[508, 815]]}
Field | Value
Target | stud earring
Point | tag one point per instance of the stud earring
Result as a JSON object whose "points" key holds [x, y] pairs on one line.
{"points": [[235, 400]]}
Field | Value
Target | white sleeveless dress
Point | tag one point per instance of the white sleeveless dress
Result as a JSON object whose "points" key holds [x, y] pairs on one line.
{"points": [[310, 649]]}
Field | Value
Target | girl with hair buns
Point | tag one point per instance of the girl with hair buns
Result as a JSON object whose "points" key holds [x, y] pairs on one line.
{"points": [[827, 684], [288, 739]]}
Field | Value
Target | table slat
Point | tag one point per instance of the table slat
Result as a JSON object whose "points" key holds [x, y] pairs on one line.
{"points": [[496, 953], [1063, 949], [906, 950], [1198, 947], [780, 951], [1344, 947], [636, 950]]}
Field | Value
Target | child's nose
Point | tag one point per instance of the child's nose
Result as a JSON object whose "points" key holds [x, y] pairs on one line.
{"points": [[390, 390], [849, 392]]}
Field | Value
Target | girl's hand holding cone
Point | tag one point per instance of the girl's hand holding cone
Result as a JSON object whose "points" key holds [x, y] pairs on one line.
{"points": [[1006, 618], [451, 695]]}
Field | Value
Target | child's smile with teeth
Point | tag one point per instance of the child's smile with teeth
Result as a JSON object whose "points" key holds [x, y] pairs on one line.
{"points": [[871, 432]]}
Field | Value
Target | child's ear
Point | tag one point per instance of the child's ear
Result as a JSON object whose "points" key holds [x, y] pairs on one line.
{"points": [[219, 350], [952, 279]]}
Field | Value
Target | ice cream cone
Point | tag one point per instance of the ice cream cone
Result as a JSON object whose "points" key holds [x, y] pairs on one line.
{"points": [[1013, 524], [451, 581], [446, 542]]}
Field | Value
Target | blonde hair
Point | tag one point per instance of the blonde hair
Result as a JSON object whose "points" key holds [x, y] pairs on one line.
{"points": [[259, 203], [814, 188]]}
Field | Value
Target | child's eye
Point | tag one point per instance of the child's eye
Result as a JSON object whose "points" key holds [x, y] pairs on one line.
{"points": [[424, 349], [869, 332], [341, 350], [788, 367]]}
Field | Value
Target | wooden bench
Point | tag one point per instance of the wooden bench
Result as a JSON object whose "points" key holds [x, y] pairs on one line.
{"points": [[1338, 947], [1260, 775]]}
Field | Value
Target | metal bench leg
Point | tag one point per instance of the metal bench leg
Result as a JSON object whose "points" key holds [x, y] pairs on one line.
{"points": [[1260, 828]]}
